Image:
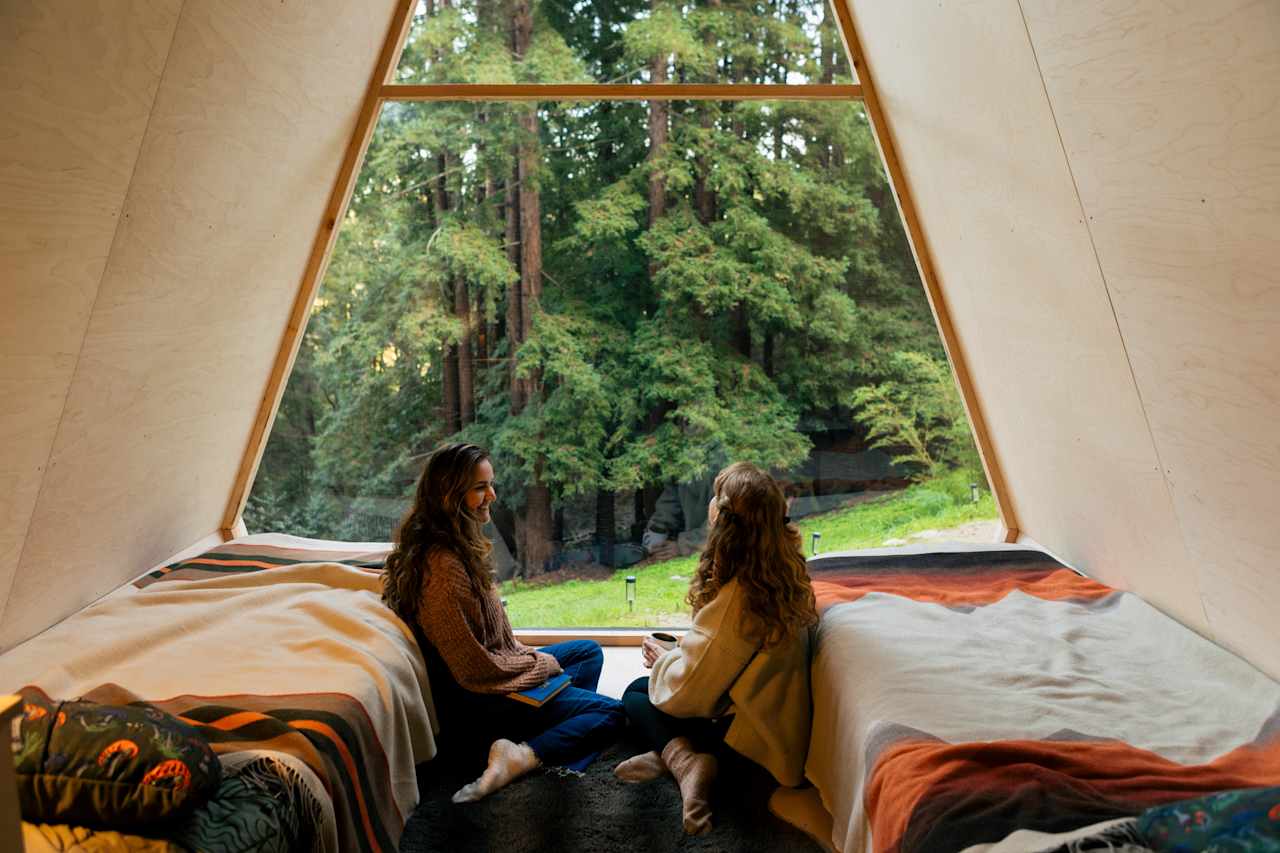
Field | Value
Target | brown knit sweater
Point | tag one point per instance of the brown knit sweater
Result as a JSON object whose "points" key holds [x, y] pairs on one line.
{"points": [[471, 632]]}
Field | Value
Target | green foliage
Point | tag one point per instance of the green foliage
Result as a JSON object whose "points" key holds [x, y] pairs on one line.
{"points": [[776, 283], [667, 32], [917, 413]]}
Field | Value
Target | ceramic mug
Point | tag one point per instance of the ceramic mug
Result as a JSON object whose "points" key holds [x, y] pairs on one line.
{"points": [[665, 640]]}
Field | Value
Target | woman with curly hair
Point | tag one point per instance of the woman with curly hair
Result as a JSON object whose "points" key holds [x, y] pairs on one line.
{"points": [[439, 580], [741, 674]]}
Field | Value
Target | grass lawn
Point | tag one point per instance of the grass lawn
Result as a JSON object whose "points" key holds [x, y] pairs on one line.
{"points": [[660, 587]]}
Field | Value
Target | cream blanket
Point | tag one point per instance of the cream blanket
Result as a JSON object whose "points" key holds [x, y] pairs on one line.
{"points": [[310, 643]]}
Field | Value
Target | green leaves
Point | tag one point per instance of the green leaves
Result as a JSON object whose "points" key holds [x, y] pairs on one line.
{"points": [[666, 32], [918, 414], [466, 251], [613, 215], [775, 289], [550, 60]]}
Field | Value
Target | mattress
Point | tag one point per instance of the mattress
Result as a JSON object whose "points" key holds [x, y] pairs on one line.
{"points": [[964, 694], [267, 642]]}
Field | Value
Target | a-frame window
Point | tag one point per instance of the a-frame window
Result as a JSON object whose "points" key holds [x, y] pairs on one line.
{"points": [[617, 289]]}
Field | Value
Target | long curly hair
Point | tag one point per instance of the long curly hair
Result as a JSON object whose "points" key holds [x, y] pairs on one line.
{"points": [[439, 518], [752, 540]]}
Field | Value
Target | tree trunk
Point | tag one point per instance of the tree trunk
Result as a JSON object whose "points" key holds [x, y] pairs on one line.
{"points": [[659, 128], [480, 320], [639, 518], [557, 525], [466, 375], [537, 546], [483, 335], [440, 190], [830, 43], [449, 361], [704, 197], [530, 231], [741, 330], [537, 511], [450, 380], [515, 307], [606, 526]]}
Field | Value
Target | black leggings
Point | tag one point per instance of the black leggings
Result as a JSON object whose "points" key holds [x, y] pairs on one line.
{"points": [[659, 727]]}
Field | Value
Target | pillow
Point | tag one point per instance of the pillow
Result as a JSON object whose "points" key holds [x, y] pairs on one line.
{"points": [[1246, 819], [115, 766], [262, 806]]}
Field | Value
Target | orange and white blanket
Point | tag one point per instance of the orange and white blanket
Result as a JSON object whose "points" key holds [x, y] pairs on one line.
{"points": [[963, 695]]}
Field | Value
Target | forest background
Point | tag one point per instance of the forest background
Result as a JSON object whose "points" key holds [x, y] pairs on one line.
{"points": [[610, 296]]}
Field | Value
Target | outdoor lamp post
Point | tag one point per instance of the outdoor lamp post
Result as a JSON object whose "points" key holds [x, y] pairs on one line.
{"points": [[813, 542], [631, 592], [973, 491]]}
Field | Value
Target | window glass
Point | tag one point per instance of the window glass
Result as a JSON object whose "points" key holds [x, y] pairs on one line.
{"points": [[623, 41], [617, 299]]}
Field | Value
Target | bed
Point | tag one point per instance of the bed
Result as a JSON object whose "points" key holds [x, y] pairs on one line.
{"points": [[271, 645], [989, 695]]}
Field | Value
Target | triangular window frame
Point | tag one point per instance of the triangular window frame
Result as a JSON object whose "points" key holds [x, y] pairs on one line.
{"points": [[381, 90]]}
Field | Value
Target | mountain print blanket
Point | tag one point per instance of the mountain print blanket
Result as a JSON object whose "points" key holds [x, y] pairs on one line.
{"points": [[962, 695]]}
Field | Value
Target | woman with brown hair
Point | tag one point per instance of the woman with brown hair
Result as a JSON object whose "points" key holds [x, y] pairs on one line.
{"points": [[439, 580], [741, 673]]}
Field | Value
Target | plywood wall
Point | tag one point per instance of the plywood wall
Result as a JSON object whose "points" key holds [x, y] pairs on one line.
{"points": [[170, 164], [1100, 187], [79, 81]]}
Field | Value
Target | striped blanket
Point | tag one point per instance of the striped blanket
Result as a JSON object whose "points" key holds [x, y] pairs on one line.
{"points": [[303, 661], [960, 696], [256, 555]]}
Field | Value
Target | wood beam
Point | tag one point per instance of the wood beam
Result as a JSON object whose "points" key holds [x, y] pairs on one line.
{"points": [[10, 812], [622, 92], [317, 262], [883, 133]]}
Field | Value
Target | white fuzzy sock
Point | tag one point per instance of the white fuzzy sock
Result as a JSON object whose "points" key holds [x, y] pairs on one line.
{"points": [[507, 762]]}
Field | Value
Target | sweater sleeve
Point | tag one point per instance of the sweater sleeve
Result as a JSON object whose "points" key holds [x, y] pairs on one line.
{"points": [[693, 679], [443, 618]]}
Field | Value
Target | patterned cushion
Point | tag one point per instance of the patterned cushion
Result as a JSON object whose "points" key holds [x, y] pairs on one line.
{"points": [[262, 806], [1247, 821], [116, 766]]}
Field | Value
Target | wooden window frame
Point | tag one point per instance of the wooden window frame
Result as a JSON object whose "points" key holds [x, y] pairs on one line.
{"points": [[380, 90]]}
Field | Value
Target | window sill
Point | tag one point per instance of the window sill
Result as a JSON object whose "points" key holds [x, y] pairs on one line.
{"points": [[603, 636]]}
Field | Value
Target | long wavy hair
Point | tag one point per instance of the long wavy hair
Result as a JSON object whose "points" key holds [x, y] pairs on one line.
{"points": [[753, 541], [439, 518]]}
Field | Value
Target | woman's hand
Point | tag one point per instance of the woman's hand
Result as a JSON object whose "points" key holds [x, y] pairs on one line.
{"points": [[556, 669], [650, 651]]}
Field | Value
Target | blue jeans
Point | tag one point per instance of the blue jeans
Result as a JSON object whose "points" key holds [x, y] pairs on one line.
{"points": [[570, 727]]}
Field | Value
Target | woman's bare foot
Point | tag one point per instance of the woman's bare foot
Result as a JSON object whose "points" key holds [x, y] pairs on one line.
{"points": [[507, 762], [641, 768]]}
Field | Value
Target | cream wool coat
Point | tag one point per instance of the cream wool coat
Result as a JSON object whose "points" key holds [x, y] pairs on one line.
{"points": [[720, 666]]}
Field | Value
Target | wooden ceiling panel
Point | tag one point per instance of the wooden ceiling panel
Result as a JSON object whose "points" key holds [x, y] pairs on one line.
{"points": [[1170, 114], [79, 79], [256, 108], [963, 98]]}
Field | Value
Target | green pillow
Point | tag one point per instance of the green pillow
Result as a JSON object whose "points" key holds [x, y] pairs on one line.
{"points": [[113, 766]]}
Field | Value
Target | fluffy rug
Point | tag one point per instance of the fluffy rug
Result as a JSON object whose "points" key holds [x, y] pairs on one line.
{"points": [[593, 812]]}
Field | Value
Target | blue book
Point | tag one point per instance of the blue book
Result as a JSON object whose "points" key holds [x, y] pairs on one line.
{"points": [[536, 696]]}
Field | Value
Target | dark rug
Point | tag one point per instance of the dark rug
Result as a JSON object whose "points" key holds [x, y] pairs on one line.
{"points": [[593, 813]]}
